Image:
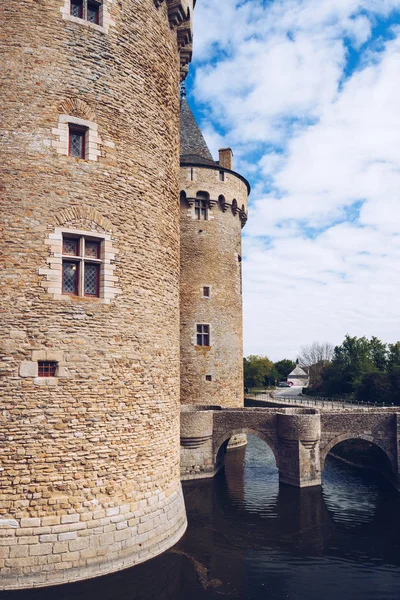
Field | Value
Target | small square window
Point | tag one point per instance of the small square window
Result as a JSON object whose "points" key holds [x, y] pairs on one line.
{"points": [[77, 8], [47, 368], [208, 377], [76, 142], [206, 291]]}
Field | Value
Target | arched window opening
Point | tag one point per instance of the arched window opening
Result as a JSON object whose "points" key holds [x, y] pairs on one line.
{"points": [[234, 206]]}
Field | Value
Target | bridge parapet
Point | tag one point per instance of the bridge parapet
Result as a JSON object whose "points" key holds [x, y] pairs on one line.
{"points": [[300, 438]]}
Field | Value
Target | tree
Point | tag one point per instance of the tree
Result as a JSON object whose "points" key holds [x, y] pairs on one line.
{"points": [[394, 355], [379, 353], [259, 371], [284, 367], [314, 358], [315, 353]]}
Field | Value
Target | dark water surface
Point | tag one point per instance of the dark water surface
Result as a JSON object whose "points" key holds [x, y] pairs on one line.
{"points": [[249, 538]]}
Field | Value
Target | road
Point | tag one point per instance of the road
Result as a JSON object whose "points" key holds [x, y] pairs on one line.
{"points": [[295, 390]]}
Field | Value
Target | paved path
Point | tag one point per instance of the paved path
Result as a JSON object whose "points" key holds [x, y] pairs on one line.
{"points": [[291, 397]]}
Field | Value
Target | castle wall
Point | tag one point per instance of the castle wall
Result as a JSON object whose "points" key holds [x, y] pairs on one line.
{"points": [[89, 478], [211, 256]]}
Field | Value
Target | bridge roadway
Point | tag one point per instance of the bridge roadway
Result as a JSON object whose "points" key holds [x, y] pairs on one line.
{"points": [[299, 437]]}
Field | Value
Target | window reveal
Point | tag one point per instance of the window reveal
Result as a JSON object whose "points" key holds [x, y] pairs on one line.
{"points": [[81, 276], [206, 291], [47, 368], [203, 335]]}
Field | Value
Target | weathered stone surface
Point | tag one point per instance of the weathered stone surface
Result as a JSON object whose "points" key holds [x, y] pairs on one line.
{"points": [[105, 434]]}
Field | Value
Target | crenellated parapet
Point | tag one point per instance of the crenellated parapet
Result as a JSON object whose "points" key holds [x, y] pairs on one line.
{"points": [[180, 18]]}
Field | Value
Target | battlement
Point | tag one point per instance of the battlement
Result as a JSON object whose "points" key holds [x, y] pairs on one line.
{"points": [[180, 17]]}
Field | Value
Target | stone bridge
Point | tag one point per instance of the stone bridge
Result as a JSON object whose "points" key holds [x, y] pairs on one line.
{"points": [[300, 438]]}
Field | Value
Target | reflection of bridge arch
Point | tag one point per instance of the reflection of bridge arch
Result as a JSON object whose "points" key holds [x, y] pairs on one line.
{"points": [[351, 436], [228, 434]]}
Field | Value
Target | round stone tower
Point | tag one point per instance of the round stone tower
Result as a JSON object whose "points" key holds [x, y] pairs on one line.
{"points": [[89, 426], [213, 211]]}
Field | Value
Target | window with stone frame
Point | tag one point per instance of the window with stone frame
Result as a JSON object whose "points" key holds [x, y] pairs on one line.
{"points": [[77, 141], [201, 209], [203, 334], [89, 10], [81, 266], [47, 368]]}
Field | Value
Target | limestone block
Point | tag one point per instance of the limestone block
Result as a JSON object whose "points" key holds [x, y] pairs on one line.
{"points": [[28, 369]]}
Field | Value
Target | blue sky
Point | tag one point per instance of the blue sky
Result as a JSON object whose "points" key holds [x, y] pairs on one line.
{"points": [[307, 93]]}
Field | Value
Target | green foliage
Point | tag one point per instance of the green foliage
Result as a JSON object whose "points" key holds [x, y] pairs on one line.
{"points": [[284, 367], [368, 369], [259, 372]]}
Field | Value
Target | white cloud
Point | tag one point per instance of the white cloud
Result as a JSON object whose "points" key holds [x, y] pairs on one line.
{"points": [[272, 74]]}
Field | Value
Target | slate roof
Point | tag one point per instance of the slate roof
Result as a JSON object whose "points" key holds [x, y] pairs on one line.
{"points": [[193, 145], [297, 372]]}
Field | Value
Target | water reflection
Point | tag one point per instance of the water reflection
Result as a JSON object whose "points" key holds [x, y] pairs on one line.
{"points": [[249, 538]]}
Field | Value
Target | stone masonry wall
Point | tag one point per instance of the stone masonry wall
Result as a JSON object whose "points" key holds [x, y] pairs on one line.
{"points": [[89, 459], [211, 256]]}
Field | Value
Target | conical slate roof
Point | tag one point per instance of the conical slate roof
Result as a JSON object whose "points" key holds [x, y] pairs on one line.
{"points": [[193, 145]]}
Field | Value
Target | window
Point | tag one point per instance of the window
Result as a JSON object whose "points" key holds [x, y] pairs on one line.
{"points": [[206, 291], [77, 141], [191, 174], [203, 335], [208, 377], [77, 8], [89, 10], [200, 209], [81, 266], [93, 11], [221, 176], [47, 368]]}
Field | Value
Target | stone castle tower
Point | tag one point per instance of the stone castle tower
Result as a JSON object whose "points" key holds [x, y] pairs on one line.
{"points": [[213, 211], [89, 444]]}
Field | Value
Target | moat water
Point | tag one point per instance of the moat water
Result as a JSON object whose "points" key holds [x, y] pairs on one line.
{"points": [[249, 538]]}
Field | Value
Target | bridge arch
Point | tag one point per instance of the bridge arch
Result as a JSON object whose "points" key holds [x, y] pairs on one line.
{"points": [[351, 436], [260, 434]]}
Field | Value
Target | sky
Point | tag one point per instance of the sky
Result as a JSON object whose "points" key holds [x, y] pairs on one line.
{"points": [[307, 94]]}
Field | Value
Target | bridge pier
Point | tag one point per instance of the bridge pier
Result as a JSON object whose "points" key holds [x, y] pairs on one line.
{"points": [[299, 434]]}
